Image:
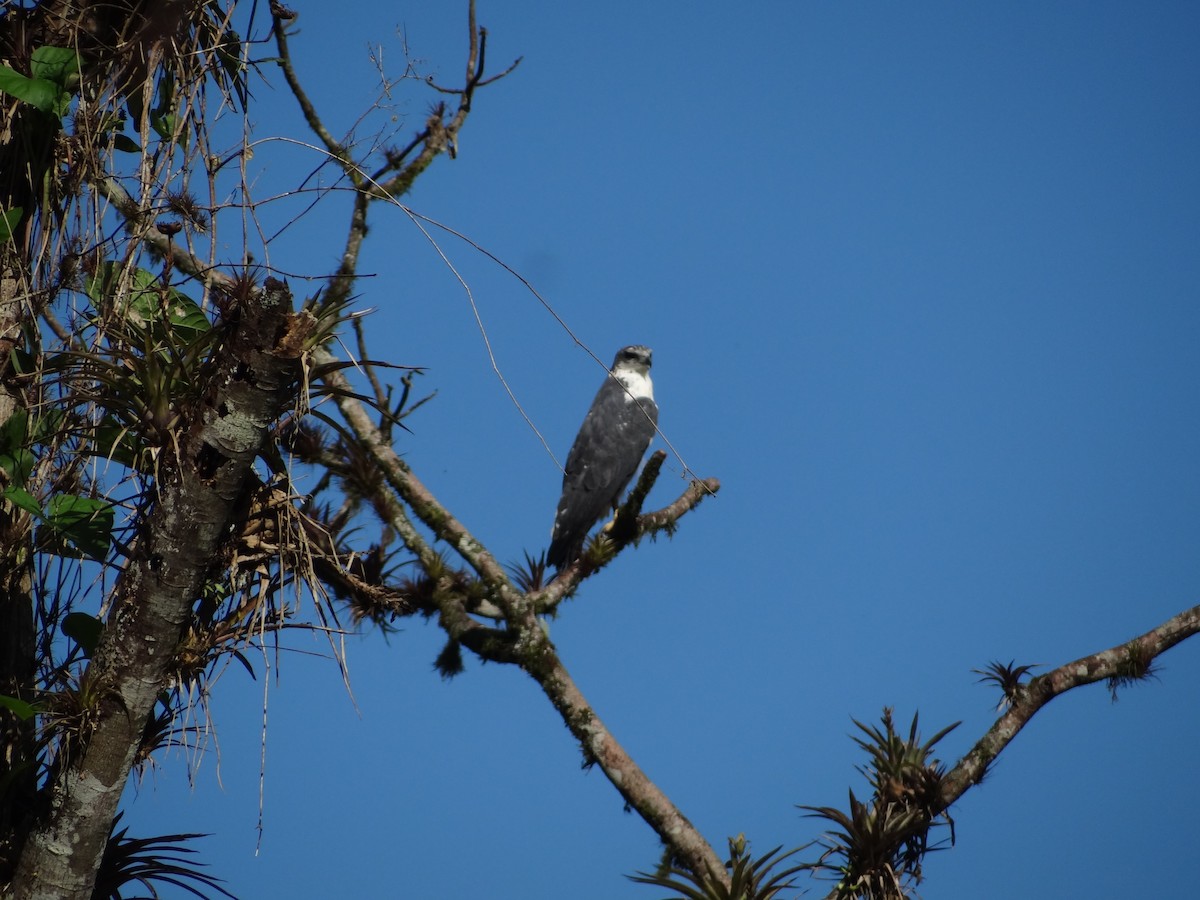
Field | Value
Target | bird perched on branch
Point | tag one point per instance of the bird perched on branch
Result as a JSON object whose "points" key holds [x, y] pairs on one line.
{"points": [[606, 452]]}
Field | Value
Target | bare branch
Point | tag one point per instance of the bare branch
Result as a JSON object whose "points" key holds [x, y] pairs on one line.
{"points": [[111, 189], [280, 16], [600, 747]]}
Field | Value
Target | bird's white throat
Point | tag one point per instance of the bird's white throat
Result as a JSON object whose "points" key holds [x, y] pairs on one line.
{"points": [[640, 386]]}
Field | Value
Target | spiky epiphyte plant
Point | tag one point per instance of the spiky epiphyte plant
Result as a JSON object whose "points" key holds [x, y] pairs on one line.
{"points": [[145, 861], [1135, 666], [879, 846], [1006, 677], [531, 574], [749, 878]]}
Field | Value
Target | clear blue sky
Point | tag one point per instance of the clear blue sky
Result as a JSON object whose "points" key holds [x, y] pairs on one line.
{"points": [[923, 285]]}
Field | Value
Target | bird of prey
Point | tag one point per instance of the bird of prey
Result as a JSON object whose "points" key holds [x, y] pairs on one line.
{"points": [[606, 452]]}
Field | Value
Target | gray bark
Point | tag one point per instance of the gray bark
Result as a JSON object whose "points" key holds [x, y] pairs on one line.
{"points": [[253, 378]]}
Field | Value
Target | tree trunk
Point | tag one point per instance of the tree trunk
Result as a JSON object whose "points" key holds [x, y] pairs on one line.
{"points": [[179, 545]]}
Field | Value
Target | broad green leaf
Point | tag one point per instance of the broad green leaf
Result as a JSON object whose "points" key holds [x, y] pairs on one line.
{"points": [[84, 521], [164, 117], [8, 222], [84, 630], [112, 440], [187, 319], [164, 124], [97, 286], [59, 65], [62, 105], [104, 283], [17, 464], [126, 144], [18, 496], [22, 710], [35, 91], [46, 425], [22, 361], [16, 459], [14, 431], [180, 323]]}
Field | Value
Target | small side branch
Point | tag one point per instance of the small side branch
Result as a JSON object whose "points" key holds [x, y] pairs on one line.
{"points": [[418, 497], [628, 527], [280, 17]]}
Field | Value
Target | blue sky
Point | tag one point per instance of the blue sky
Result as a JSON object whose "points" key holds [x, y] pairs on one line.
{"points": [[922, 284]]}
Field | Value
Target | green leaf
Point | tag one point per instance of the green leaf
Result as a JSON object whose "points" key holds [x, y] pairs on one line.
{"points": [[22, 361], [22, 710], [84, 630], [9, 219], [182, 317], [126, 144], [84, 521], [112, 440], [47, 426], [58, 65], [164, 124], [20, 497], [14, 431], [164, 117], [99, 285], [36, 92], [15, 457], [187, 319]]}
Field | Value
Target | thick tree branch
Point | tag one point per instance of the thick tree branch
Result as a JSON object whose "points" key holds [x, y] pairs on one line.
{"points": [[673, 828], [200, 480]]}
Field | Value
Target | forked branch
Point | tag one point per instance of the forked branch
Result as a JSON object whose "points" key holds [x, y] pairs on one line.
{"points": [[879, 844], [524, 641], [492, 594]]}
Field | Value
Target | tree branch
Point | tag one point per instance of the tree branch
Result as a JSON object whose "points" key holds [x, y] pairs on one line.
{"points": [[148, 232], [280, 16], [628, 527], [599, 746], [525, 642], [418, 497], [1127, 661], [532, 649]]}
